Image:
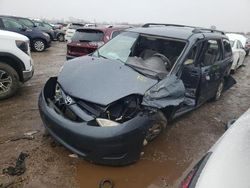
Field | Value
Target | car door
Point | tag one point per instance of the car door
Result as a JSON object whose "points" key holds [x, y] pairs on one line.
{"points": [[211, 71], [191, 72], [242, 53]]}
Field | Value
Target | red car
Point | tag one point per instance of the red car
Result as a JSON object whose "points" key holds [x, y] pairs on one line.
{"points": [[87, 40]]}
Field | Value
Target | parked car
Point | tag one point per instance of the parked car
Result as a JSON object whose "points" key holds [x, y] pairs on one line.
{"points": [[108, 105], [71, 29], [239, 54], [39, 40], [16, 65], [45, 27], [243, 39], [227, 163], [87, 40], [54, 33]]}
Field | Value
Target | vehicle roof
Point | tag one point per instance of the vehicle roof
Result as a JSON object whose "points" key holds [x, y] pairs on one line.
{"points": [[14, 17], [174, 31], [103, 29], [229, 164]]}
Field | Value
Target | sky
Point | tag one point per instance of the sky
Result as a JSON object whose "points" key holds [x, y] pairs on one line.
{"points": [[228, 15]]}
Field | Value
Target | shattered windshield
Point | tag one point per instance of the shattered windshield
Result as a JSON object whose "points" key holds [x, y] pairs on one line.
{"points": [[147, 54]]}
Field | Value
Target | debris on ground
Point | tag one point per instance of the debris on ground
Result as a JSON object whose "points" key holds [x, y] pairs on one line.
{"points": [[24, 136], [19, 168], [106, 183], [73, 155]]}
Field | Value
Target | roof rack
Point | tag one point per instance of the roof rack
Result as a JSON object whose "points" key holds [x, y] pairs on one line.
{"points": [[162, 24], [195, 29], [200, 30]]}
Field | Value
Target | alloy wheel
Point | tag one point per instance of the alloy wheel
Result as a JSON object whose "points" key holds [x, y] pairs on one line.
{"points": [[5, 82], [39, 45]]}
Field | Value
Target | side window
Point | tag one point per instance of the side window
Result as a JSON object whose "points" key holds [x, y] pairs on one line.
{"points": [[211, 52], [227, 48], [11, 24], [240, 45], [115, 33], [1, 23]]}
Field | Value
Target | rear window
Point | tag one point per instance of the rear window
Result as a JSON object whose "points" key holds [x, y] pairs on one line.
{"points": [[88, 35]]}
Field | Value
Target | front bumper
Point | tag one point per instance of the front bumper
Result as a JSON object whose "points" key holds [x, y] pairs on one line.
{"points": [[27, 74], [68, 57], [119, 145]]}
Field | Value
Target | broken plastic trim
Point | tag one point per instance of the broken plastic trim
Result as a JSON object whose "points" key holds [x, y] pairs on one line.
{"points": [[168, 92]]}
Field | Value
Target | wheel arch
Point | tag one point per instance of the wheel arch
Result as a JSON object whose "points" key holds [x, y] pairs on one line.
{"points": [[14, 62]]}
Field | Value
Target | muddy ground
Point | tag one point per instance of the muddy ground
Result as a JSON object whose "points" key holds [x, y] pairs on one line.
{"points": [[164, 161]]}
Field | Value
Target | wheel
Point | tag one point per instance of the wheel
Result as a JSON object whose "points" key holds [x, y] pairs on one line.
{"points": [[219, 91], [60, 38], [155, 130], [38, 45], [9, 81]]}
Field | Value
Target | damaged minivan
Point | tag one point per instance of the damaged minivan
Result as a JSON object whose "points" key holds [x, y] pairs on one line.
{"points": [[108, 105]]}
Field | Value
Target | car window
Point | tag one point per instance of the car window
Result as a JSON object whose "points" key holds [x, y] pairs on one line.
{"points": [[115, 33], [26, 22], [11, 24], [1, 23], [227, 48], [240, 45], [87, 35], [212, 53]]}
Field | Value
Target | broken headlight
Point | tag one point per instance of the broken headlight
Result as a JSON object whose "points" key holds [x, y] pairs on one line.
{"points": [[58, 94], [106, 122]]}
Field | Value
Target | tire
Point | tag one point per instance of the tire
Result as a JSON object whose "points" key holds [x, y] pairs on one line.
{"points": [[219, 91], [61, 38], [38, 45], [9, 81], [158, 125]]}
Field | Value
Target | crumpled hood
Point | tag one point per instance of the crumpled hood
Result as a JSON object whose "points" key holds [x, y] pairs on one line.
{"points": [[101, 81]]}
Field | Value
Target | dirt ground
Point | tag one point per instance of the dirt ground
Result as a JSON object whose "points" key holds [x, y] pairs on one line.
{"points": [[164, 163]]}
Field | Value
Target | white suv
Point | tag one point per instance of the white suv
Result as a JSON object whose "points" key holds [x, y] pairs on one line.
{"points": [[16, 65]]}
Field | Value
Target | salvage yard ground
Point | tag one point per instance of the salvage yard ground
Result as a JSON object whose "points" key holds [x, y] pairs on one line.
{"points": [[163, 163]]}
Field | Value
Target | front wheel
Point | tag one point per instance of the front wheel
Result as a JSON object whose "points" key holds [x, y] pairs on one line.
{"points": [[9, 81], [38, 45], [219, 91]]}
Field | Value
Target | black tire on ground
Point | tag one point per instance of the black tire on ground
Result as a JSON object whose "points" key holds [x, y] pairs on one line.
{"points": [[219, 90], [38, 45], [159, 123], [247, 52], [9, 81], [60, 38]]}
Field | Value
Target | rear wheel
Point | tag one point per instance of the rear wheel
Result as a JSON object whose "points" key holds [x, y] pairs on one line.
{"points": [[60, 38], [9, 81], [38, 45]]}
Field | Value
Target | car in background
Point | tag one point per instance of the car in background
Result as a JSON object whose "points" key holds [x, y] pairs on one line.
{"points": [[87, 40], [108, 105], [71, 29], [39, 40], [239, 53], [227, 163], [16, 65], [243, 39], [45, 27]]}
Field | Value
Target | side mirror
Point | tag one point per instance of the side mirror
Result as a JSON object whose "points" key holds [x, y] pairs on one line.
{"points": [[23, 28]]}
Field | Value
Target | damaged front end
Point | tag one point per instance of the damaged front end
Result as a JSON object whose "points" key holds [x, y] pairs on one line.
{"points": [[113, 134]]}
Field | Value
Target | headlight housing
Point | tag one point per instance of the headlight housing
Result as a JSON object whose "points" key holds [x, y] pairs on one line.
{"points": [[23, 45], [106, 122]]}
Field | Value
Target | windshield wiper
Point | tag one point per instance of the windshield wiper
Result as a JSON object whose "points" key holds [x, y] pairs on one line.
{"points": [[99, 55]]}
